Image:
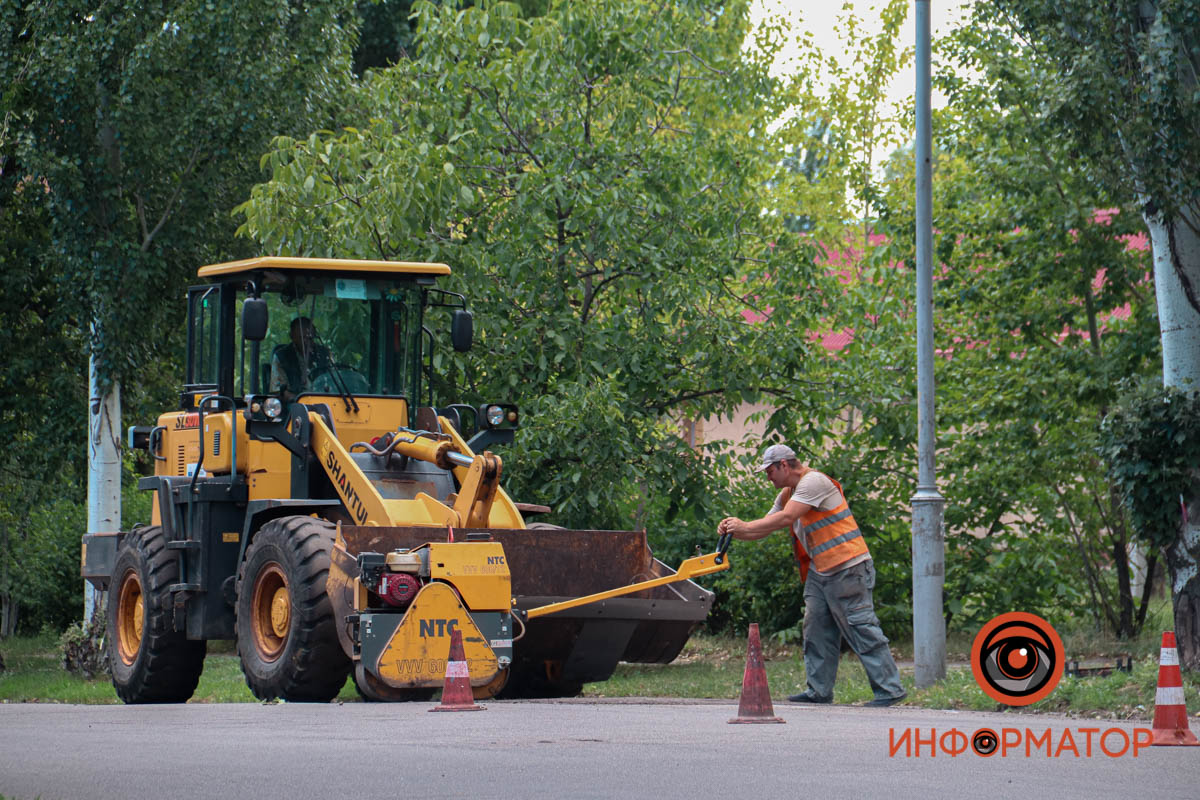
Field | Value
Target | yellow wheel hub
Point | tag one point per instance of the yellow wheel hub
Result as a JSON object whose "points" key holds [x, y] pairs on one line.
{"points": [[270, 611], [131, 613], [281, 612]]}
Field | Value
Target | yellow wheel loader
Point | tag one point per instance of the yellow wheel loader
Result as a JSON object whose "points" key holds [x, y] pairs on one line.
{"points": [[313, 504]]}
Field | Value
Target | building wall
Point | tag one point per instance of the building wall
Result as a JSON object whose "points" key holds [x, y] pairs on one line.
{"points": [[742, 434]]}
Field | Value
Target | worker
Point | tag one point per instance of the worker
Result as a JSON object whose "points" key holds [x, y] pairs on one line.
{"points": [[837, 589], [293, 364]]}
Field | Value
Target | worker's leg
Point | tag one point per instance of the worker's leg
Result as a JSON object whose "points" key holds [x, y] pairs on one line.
{"points": [[851, 605], [822, 639]]}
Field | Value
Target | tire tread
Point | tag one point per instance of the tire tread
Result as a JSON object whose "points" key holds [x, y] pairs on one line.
{"points": [[313, 666], [169, 665]]}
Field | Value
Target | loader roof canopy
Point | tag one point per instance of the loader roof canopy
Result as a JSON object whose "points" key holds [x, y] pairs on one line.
{"points": [[232, 268]]}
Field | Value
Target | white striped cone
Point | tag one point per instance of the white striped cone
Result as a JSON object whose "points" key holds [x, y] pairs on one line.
{"points": [[456, 692], [1170, 711]]}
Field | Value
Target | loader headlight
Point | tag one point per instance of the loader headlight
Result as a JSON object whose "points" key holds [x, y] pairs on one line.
{"points": [[273, 407], [495, 415]]}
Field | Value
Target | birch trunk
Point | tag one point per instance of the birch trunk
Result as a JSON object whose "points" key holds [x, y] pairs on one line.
{"points": [[1176, 248], [104, 468]]}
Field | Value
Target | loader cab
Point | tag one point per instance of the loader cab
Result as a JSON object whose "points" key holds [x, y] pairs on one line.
{"points": [[291, 327]]}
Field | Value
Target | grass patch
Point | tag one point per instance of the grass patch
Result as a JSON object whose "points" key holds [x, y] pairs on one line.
{"points": [[709, 667], [34, 674], [712, 667]]}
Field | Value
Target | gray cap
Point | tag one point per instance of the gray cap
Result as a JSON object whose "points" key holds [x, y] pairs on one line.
{"points": [[774, 454]]}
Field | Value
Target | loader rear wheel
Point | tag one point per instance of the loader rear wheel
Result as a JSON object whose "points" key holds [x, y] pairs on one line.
{"points": [[151, 662], [286, 634]]}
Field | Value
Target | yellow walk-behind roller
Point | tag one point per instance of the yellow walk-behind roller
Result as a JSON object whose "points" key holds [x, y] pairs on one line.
{"points": [[408, 601], [407, 604]]}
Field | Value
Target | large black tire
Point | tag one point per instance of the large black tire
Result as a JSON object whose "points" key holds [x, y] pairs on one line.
{"points": [[286, 631], [150, 661]]}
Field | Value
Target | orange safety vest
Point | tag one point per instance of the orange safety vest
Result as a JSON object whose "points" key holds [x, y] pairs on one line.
{"points": [[832, 537]]}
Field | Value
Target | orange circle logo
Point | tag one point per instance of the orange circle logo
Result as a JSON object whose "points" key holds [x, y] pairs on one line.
{"points": [[1017, 658]]}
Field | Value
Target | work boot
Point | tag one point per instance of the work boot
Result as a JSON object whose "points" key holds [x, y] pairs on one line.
{"points": [[808, 697], [881, 702]]}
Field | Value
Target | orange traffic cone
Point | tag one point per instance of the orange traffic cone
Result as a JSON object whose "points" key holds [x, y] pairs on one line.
{"points": [[755, 704], [1170, 712], [456, 692]]}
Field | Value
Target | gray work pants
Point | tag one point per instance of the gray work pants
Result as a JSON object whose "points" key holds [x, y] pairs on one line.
{"points": [[840, 605]]}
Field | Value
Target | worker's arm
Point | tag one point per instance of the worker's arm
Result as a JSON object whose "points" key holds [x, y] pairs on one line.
{"points": [[761, 528]]}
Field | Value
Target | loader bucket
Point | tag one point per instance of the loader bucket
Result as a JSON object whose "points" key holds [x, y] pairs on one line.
{"points": [[559, 652]]}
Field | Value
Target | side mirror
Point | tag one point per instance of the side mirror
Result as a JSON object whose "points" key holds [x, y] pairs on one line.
{"points": [[462, 330], [254, 319]]}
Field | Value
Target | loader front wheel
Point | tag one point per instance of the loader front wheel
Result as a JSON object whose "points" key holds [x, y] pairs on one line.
{"points": [[151, 662], [286, 634]]}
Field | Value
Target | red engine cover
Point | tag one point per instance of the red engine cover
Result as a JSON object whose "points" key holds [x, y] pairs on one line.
{"points": [[398, 588]]}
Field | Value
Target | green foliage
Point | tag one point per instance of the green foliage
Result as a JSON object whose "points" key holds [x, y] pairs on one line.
{"points": [[42, 563], [839, 123], [1126, 98], [127, 133], [1041, 306], [1033, 570], [1150, 440], [39, 548], [592, 175], [138, 122], [42, 339], [1125, 89]]}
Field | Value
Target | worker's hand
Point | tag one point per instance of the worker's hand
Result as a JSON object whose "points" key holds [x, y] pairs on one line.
{"points": [[730, 525]]}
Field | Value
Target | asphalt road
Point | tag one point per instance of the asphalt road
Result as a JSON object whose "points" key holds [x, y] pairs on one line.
{"points": [[569, 749]]}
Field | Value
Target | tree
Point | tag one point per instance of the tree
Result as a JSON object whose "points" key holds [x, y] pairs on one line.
{"points": [[387, 29], [839, 123], [1126, 98], [593, 177], [1065, 271], [131, 132], [1031, 345]]}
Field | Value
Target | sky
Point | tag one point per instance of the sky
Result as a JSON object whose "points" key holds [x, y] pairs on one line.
{"points": [[821, 16]]}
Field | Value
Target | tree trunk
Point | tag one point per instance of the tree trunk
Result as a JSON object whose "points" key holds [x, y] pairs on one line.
{"points": [[1183, 556], [1176, 246], [7, 604], [104, 468], [8, 616], [1138, 568]]}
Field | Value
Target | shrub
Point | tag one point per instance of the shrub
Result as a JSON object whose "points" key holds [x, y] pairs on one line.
{"points": [[82, 648]]}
